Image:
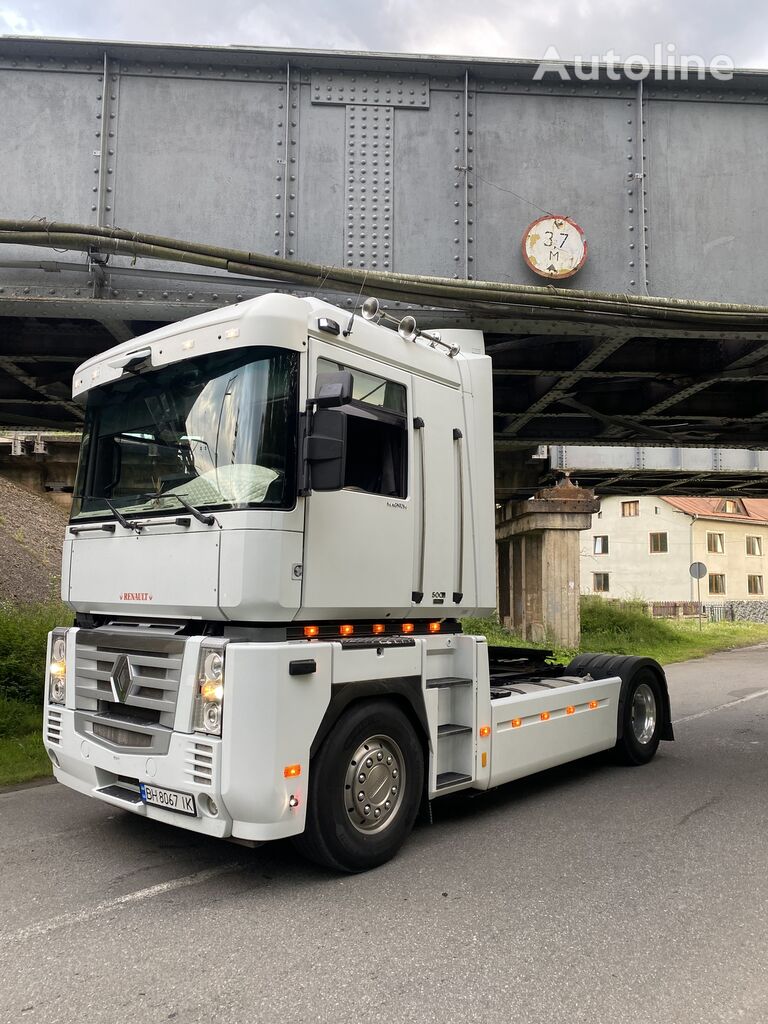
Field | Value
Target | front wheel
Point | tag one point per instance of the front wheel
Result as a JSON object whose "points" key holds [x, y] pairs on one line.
{"points": [[641, 719], [364, 789]]}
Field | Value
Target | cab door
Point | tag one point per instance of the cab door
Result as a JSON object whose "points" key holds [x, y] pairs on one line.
{"points": [[359, 541]]}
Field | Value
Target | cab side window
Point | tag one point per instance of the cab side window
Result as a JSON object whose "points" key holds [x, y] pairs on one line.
{"points": [[377, 433]]}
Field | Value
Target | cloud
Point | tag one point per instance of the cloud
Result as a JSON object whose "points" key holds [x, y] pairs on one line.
{"points": [[12, 22], [497, 28]]}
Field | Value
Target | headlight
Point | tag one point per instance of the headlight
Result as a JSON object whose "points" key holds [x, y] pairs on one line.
{"points": [[57, 667], [209, 698]]}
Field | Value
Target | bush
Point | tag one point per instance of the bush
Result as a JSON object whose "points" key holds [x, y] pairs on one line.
{"points": [[23, 634], [19, 718], [621, 626]]}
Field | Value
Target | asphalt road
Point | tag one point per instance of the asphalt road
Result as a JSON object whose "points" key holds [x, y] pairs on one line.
{"points": [[589, 893]]}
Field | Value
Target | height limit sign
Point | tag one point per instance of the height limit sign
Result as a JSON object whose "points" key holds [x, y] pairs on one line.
{"points": [[554, 247]]}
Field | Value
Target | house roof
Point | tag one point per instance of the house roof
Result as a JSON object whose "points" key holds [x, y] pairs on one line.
{"points": [[755, 509]]}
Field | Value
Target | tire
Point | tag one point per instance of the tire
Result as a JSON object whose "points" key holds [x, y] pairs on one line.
{"points": [[354, 819], [642, 717]]}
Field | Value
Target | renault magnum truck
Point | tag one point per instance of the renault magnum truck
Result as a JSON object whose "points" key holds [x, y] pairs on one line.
{"points": [[280, 517]]}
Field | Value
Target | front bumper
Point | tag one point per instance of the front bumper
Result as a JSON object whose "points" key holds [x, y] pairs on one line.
{"points": [[271, 718], [113, 777]]}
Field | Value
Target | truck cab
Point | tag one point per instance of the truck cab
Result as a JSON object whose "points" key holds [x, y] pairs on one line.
{"points": [[282, 511]]}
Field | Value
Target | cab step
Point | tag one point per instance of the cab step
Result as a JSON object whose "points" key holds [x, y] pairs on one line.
{"points": [[444, 681], [447, 779], [452, 730]]}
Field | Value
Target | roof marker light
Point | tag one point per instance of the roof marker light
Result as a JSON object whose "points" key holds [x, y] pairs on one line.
{"points": [[544, 716], [378, 627], [292, 771], [435, 627], [570, 710], [593, 704], [485, 730], [516, 723], [407, 627], [311, 631], [346, 629]]}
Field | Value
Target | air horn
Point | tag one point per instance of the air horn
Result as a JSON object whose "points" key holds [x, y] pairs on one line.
{"points": [[406, 327]]}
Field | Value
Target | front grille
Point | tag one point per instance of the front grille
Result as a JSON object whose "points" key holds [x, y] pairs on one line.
{"points": [[54, 726], [199, 762], [148, 671], [127, 686]]}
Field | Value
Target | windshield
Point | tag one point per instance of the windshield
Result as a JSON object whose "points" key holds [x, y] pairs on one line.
{"points": [[219, 431]]}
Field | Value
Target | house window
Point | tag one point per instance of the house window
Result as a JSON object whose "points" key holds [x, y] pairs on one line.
{"points": [[755, 546], [658, 543], [600, 545], [715, 543], [755, 584], [729, 506], [600, 582], [717, 583], [630, 508]]}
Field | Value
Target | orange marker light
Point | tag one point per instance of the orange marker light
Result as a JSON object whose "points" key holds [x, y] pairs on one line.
{"points": [[485, 730], [407, 627], [378, 627], [346, 629], [311, 630], [570, 710], [544, 716], [484, 759], [435, 627], [292, 771], [593, 704], [516, 723]]}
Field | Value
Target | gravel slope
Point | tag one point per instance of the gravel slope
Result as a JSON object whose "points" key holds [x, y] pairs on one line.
{"points": [[31, 531]]}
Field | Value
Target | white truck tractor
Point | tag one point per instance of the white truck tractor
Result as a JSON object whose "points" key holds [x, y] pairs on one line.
{"points": [[281, 514]]}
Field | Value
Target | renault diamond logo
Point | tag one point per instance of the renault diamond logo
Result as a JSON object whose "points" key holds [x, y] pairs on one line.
{"points": [[121, 678]]}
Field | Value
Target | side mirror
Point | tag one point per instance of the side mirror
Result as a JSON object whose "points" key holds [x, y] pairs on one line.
{"points": [[326, 448], [332, 390]]}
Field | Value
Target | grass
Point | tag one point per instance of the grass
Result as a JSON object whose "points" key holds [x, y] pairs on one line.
{"points": [[23, 632], [611, 626], [623, 628], [23, 758]]}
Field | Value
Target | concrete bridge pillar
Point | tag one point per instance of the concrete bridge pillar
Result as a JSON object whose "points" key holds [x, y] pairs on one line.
{"points": [[537, 544]]}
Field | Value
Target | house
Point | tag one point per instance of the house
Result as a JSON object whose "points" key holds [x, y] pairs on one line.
{"points": [[643, 547]]}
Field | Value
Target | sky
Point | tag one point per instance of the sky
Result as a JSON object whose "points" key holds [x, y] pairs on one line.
{"points": [[491, 28]]}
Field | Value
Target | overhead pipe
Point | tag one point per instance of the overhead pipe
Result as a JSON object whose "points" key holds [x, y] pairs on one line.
{"points": [[490, 298]]}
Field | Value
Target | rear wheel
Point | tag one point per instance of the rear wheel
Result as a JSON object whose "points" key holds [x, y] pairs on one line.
{"points": [[641, 719], [364, 789]]}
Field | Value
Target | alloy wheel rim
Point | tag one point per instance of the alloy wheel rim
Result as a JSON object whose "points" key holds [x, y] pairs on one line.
{"points": [[374, 784], [643, 713]]}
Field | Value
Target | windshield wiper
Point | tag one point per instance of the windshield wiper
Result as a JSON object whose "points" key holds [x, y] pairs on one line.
{"points": [[201, 517], [127, 524]]}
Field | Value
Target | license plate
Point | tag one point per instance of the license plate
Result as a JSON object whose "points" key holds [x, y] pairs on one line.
{"points": [[169, 799]]}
